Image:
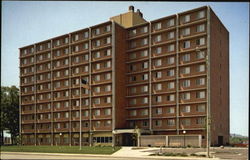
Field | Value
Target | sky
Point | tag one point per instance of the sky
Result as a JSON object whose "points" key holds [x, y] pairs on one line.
{"points": [[28, 22]]}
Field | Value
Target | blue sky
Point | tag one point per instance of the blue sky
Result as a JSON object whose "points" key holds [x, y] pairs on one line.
{"points": [[24, 23]]}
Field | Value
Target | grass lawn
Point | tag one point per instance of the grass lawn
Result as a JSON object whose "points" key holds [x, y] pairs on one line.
{"points": [[61, 149]]}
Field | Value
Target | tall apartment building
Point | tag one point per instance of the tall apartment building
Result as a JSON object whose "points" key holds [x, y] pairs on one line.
{"points": [[159, 77]]}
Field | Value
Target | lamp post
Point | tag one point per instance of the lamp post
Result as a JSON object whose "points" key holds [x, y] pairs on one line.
{"points": [[184, 132], [60, 135]]}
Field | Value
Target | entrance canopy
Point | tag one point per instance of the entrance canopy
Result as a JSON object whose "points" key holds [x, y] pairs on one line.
{"points": [[136, 131]]}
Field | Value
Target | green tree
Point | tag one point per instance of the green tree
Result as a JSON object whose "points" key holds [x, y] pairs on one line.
{"points": [[10, 112]]}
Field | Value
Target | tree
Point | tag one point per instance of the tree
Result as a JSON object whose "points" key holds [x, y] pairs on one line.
{"points": [[10, 112]]}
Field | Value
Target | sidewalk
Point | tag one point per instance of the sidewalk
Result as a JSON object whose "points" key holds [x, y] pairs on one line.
{"points": [[145, 152]]}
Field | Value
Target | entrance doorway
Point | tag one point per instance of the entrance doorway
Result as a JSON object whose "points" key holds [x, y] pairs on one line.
{"points": [[129, 139], [220, 140]]}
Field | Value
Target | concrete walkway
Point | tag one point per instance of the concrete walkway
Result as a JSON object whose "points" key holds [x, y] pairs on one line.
{"points": [[145, 153]]}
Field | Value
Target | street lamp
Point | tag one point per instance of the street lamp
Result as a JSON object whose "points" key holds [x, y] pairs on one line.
{"points": [[184, 132], [60, 134]]}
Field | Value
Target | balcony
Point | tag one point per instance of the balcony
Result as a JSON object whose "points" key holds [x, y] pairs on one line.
{"points": [[28, 121], [58, 130], [28, 130], [43, 130], [43, 120]]}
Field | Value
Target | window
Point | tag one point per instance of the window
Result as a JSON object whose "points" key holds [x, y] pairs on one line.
{"points": [[186, 44], [97, 31], [200, 41], [66, 40], [200, 108], [97, 112], [186, 57], [108, 88], [185, 70], [97, 124], [158, 62], [107, 100], [145, 65], [132, 101], [170, 72], [158, 123], [158, 50], [144, 123], [66, 51], [145, 76], [170, 110], [158, 111], [76, 48], [200, 94], [186, 19], [108, 40], [186, 109], [200, 121], [185, 96], [86, 68], [186, 122], [170, 97], [170, 60], [97, 66], [145, 41], [200, 81], [107, 111], [186, 83], [107, 52], [145, 29], [132, 78], [145, 100], [201, 14], [97, 101], [144, 53], [107, 123], [85, 46], [107, 28], [133, 113], [132, 56], [170, 122], [157, 38], [158, 86], [66, 72], [97, 43], [170, 35], [158, 74], [170, 23], [201, 68], [76, 37], [85, 34], [157, 26], [200, 55], [200, 28], [170, 48], [170, 85], [144, 112], [97, 89], [133, 90], [107, 76], [107, 64], [133, 32], [186, 31], [133, 44], [158, 99], [144, 89]]}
